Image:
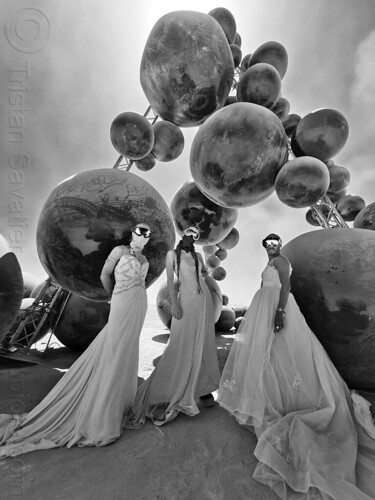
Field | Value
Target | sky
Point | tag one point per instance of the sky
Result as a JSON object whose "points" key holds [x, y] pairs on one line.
{"points": [[83, 71]]}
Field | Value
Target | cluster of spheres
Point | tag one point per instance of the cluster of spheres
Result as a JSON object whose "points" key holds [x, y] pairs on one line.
{"points": [[248, 146]]}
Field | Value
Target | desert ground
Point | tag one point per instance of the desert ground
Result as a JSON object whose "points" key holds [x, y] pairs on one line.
{"points": [[208, 457]]}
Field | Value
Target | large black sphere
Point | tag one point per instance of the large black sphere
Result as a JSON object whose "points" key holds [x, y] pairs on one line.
{"points": [[11, 287], [237, 153], [187, 67], [333, 282], [190, 207], [84, 216]]}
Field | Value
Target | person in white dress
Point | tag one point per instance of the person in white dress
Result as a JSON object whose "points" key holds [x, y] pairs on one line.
{"points": [[86, 406], [315, 440], [188, 368]]}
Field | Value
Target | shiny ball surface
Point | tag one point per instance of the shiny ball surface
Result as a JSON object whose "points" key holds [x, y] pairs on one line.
{"points": [[321, 134], [80, 322], [237, 153], [169, 141], [302, 182], [333, 282], [365, 219], [11, 287], [84, 216], [226, 320], [273, 53], [260, 84], [187, 67], [132, 135], [349, 206], [190, 207]]}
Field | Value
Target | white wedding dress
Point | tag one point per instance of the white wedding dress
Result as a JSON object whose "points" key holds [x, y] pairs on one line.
{"points": [[286, 389]]}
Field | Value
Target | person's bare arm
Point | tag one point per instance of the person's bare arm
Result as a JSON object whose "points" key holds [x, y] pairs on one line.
{"points": [[282, 266], [107, 271]]}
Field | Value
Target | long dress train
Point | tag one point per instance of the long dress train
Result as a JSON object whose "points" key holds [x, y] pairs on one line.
{"points": [[86, 406], [189, 366], [286, 389]]}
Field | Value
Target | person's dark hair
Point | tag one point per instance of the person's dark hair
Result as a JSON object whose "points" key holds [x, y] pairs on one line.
{"points": [[271, 236], [195, 257], [125, 238]]}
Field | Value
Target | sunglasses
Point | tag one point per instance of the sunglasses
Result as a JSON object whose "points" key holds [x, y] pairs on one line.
{"points": [[192, 232], [142, 231], [273, 243]]}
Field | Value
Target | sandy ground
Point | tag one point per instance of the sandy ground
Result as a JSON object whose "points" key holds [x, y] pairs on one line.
{"points": [[207, 457]]}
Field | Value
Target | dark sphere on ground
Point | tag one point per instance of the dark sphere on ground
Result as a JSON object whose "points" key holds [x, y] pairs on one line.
{"points": [[80, 322], [86, 215], [321, 134], [302, 182], [187, 67], [237, 153], [333, 282], [190, 207], [11, 287], [226, 320]]}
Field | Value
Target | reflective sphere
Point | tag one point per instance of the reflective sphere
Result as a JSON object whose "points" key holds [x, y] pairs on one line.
{"points": [[226, 320], [272, 53], [210, 249], [187, 67], [321, 134], [365, 219], [132, 135], [236, 154], [260, 84], [219, 274], [80, 322], [29, 283], [302, 182], [146, 163], [312, 218], [225, 300], [11, 287], [230, 241], [281, 108], [221, 253], [238, 40], [84, 216], [349, 206], [190, 207], [169, 141], [339, 178], [226, 20], [236, 54], [334, 197], [333, 282], [290, 123], [245, 62], [212, 261]]}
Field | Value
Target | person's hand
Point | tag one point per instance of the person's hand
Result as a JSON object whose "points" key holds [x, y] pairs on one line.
{"points": [[176, 311], [279, 321]]}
